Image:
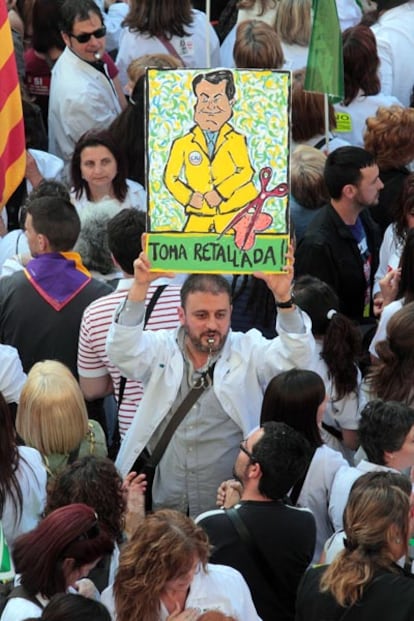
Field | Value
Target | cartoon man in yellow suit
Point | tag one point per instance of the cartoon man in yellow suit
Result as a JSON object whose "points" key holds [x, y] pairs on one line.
{"points": [[209, 170]]}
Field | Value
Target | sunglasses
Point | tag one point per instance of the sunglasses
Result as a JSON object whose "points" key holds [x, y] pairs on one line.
{"points": [[84, 37]]}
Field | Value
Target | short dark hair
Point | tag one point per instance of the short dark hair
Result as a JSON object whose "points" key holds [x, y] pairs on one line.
{"points": [[207, 283], [343, 166], [98, 138], [124, 237], [56, 219], [47, 187], [73, 10], [215, 77], [69, 606], [283, 455], [45, 24], [383, 426]]}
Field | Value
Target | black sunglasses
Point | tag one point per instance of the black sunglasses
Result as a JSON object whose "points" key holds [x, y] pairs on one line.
{"points": [[84, 37]]}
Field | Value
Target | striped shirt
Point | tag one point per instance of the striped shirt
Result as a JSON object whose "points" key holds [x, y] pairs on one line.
{"points": [[97, 318]]}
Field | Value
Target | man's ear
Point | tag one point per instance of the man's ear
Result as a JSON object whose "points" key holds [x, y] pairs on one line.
{"points": [[349, 191], [181, 315], [66, 38], [255, 471]]}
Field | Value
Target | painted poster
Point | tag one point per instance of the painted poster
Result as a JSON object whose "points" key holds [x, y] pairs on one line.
{"points": [[217, 170]]}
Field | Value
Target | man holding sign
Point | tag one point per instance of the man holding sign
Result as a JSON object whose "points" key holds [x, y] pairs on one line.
{"points": [[170, 363]]}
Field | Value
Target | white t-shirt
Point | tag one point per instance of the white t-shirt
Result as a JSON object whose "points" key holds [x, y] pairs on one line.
{"points": [[192, 48], [32, 478]]}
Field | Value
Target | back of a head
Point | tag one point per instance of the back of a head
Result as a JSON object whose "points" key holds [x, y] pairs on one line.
{"points": [[376, 512], [92, 244], [45, 24], [205, 283], [56, 219], [293, 397], [257, 46], [71, 607], [400, 334], [308, 111], [124, 237], [283, 455], [137, 67], [361, 62], [307, 183], [317, 299], [383, 428], [343, 166], [293, 21], [388, 136], [158, 18], [51, 415], [94, 481]]}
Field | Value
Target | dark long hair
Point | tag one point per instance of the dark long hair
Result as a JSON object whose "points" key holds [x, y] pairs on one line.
{"points": [[159, 17], [293, 397], [361, 62], [128, 131], [97, 138], [341, 346], [406, 283], [9, 461]]}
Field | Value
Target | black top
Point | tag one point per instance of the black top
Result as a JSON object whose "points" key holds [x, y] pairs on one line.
{"points": [[330, 252], [389, 597], [286, 538]]}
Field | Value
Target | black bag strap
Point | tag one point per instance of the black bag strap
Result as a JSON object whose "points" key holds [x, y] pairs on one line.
{"points": [[148, 312], [20, 591], [297, 488], [321, 143], [333, 431], [206, 380], [261, 562]]}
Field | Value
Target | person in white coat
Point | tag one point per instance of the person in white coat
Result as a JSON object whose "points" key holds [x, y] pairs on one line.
{"points": [[167, 27], [82, 95], [203, 449]]}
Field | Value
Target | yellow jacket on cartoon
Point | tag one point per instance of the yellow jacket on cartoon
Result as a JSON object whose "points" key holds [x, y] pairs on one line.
{"points": [[190, 169]]}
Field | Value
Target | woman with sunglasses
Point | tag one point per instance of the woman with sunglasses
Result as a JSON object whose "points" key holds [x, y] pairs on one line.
{"points": [[98, 171], [54, 557]]}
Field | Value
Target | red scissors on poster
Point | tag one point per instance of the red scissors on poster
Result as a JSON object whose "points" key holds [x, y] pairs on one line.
{"points": [[251, 219]]}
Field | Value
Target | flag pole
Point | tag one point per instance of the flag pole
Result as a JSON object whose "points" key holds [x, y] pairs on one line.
{"points": [[326, 109], [208, 13]]}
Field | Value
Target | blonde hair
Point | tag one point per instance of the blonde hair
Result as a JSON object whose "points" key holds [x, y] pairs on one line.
{"points": [[257, 46], [51, 415], [163, 548], [378, 501], [389, 136], [136, 68], [293, 21], [306, 177]]}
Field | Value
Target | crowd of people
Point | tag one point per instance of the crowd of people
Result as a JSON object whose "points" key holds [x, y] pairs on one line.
{"points": [[206, 447]]}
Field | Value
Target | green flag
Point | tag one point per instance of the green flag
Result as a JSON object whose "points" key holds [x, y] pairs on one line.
{"points": [[325, 68]]}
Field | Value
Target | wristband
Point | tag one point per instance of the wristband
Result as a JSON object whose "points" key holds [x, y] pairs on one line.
{"points": [[288, 304]]}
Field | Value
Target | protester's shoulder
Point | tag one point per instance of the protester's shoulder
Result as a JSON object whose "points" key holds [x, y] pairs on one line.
{"points": [[98, 287], [8, 284], [106, 302]]}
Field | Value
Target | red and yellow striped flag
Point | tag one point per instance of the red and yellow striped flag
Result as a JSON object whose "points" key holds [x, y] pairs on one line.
{"points": [[12, 140]]}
